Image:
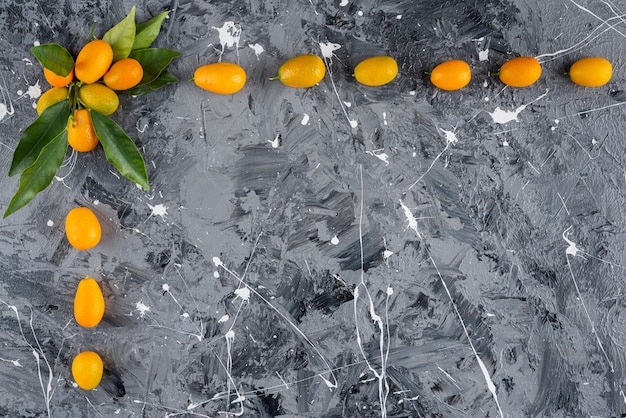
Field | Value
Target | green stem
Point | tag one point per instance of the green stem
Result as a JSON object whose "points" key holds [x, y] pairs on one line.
{"points": [[92, 34]]}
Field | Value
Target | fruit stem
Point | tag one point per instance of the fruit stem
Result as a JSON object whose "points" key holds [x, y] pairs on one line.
{"points": [[495, 74], [92, 34], [273, 78]]}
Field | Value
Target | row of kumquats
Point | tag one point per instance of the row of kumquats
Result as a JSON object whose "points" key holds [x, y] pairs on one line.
{"points": [[94, 63], [83, 231], [307, 70]]}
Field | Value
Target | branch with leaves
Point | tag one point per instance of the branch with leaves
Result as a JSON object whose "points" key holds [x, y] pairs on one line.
{"points": [[90, 84]]}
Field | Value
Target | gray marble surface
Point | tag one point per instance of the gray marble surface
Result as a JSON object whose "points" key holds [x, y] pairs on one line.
{"points": [[338, 251]]}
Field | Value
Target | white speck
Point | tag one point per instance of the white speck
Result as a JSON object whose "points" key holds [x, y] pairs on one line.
{"points": [[185, 315], [505, 143], [34, 91], [96, 202], [483, 55], [224, 318], [359, 13], [20, 92], [36, 43], [243, 293], [217, 262], [343, 3], [275, 142], [347, 104], [160, 210], [334, 240], [305, 119], [328, 48], [216, 274], [50, 222], [142, 308], [385, 118], [387, 254], [258, 49], [230, 335], [380, 154], [165, 287], [354, 123], [399, 17]]}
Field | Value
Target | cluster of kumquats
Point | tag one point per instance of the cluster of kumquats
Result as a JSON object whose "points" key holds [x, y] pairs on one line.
{"points": [[307, 70]]}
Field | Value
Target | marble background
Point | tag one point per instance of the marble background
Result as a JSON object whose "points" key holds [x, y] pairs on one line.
{"points": [[338, 251]]}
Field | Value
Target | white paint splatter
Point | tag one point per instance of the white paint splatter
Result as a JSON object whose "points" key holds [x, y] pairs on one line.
{"points": [[305, 119], [143, 309], [328, 49], [229, 35], [354, 123], [483, 55], [380, 154], [34, 91], [216, 274], [275, 142], [334, 240], [158, 210], [387, 254], [343, 3], [258, 49], [217, 262], [505, 116], [50, 222], [165, 287], [224, 318], [3, 111], [243, 293], [450, 137], [347, 104], [572, 249], [410, 218]]}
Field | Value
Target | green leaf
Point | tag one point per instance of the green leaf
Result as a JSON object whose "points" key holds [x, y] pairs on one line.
{"points": [[122, 36], [120, 150], [40, 174], [148, 31], [37, 135], [162, 80], [153, 61], [55, 58]]}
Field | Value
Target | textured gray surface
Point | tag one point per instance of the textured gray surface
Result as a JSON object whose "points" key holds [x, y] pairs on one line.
{"points": [[288, 264]]}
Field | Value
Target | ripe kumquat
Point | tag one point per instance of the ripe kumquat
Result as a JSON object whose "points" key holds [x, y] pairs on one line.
{"points": [[82, 228], [220, 77], [591, 72], [87, 369], [376, 71], [80, 133], [124, 74], [451, 75], [57, 80], [302, 71], [520, 72], [93, 61]]}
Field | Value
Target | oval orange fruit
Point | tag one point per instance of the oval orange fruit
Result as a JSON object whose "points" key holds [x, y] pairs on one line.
{"points": [[124, 74], [302, 71], [220, 77], [93, 61], [57, 80], [376, 71], [50, 97], [520, 72], [451, 75], [591, 72], [80, 133], [99, 97], [88, 303], [87, 369], [82, 228]]}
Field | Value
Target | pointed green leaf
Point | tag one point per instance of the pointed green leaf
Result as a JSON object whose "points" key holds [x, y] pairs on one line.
{"points": [[120, 150], [37, 135], [148, 31], [55, 58], [153, 61], [122, 36], [162, 80], [40, 174]]}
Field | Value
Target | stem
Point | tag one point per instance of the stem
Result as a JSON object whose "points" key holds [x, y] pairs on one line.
{"points": [[92, 34]]}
